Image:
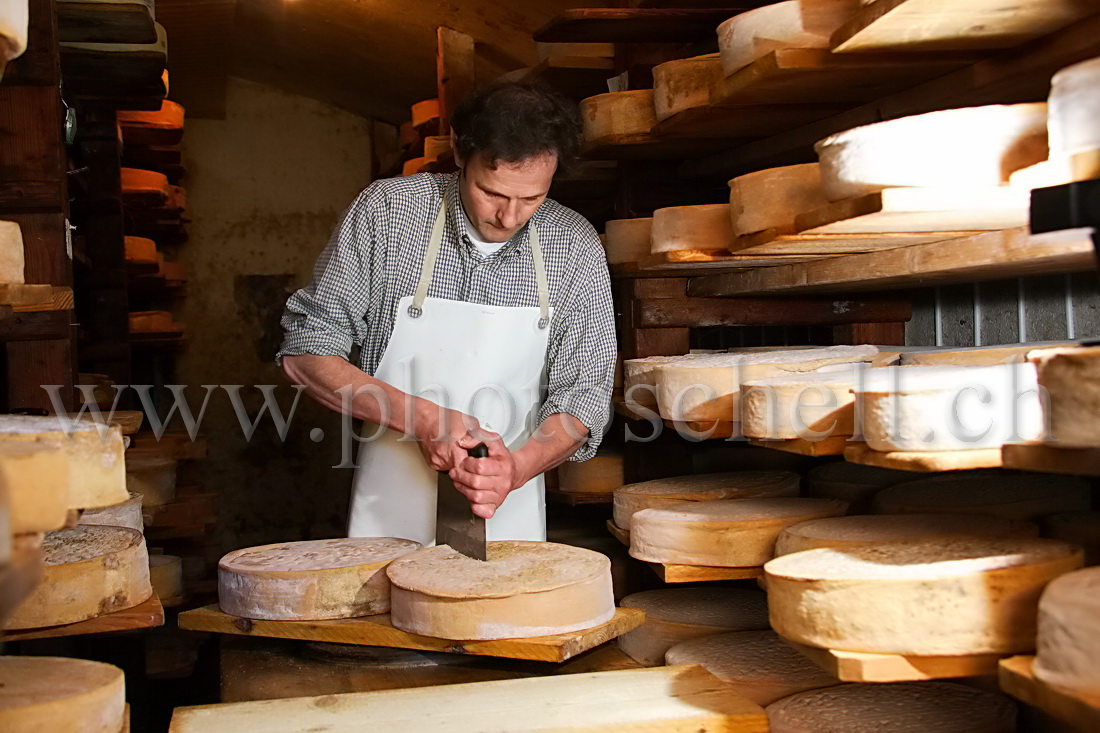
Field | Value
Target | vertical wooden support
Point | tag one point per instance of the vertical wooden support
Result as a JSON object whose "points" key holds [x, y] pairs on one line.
{"points": [[454, 68]]}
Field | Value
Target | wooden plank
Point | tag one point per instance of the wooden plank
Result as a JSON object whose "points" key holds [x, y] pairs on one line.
{"points": [[622, 535], [38, 65], [36, 326], [1080, 711], [919, 210], [454, 68], [697, 430], [378, 631], [61, 299], [696, 312], [927, 461], [145, 615], [729, 126], [20, 295], [643, 146], [863, 667], [1051, 458], [990, 255], [699, 261], [769, 242], [881, 334], [632, 25], [701, 574], [834, 445], [575, 498]]}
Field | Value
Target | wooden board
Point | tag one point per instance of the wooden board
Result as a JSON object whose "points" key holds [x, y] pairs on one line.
{"points": [[378, 631], [947, 25], [834, 445], [959, 460], [1049, 458], [576, 498], [622, 535], [18, 294], [1081, 712], [702, 259], [629, 25], [771, 242], [142, 616], [642, 146], [865, 667], [105, 21], [715, 430], [919, 210], [723, 127]]}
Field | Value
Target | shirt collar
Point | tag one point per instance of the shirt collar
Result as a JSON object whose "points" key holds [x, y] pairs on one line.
{"points": [[458, 221]]}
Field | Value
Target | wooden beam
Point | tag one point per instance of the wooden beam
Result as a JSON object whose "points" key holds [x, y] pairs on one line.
{"points": [[696, 312], [632, 25], [454, 66]]}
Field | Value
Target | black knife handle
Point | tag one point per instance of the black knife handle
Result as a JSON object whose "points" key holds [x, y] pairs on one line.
{"points": [[478, 451]]}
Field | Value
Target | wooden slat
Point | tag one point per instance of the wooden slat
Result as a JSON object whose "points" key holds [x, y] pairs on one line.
{"points": [[699, 261], [36, 326], [834, 445], [576, 498], [927, 461], [1051, 459], [142, 616], [762, 244], [1080, 711], [642, 147], [864, 667], [618, 532], [670, 573], [696, 312], [729, 126], [630, 25], [919, 210]]}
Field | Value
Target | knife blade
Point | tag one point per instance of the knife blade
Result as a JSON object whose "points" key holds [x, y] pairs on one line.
{"points": [[455, 522]]}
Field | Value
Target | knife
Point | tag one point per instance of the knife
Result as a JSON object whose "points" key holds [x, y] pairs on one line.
{"points": [[455, 522]]}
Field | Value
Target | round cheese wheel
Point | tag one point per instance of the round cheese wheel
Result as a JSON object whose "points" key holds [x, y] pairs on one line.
{"points": [[664, 492], [770, 199], [524, 589], [601, 474], [166, 575], [627, 240], [153, 475], [169, 116], [730, 533], [853, 483], [317, 579], [436, 145], [1025, 497], [757, 664], [618, 113], [1082, 528], [675, 615], [678, 228], [1074, 111], [60, 694], [126, 514], [877, 529], [684, 83], [811, 406], [141, 249], [896, 707], [748, 36], [945, 596], [1069, 632], [36, 476], [425, 111], [1070, 377]]}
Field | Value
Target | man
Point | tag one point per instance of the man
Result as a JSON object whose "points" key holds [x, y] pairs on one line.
{"points": [[483, 313]]}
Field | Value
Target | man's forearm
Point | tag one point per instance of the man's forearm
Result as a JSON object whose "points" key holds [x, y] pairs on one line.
{"points": [[559, 436]]}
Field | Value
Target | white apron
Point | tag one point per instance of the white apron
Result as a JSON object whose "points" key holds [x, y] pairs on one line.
{"points": [[487, 361]]}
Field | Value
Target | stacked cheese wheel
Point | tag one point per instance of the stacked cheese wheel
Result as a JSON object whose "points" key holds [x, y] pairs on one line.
{"points": [[812, 406], [1069, 632], [618, 114], [58, 694]]}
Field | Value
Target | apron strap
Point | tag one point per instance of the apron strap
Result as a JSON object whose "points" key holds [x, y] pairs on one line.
{"points": [[540, 277]]}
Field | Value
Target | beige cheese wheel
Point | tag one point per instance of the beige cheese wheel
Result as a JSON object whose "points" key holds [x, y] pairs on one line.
{"points": [[811, 406], [748, 36], [725, 533], [1069, 632], [895, 707], [977, 355], [944, 596], [11, 252], [679, 228], [436, 145], [665, 492], [854, 483], [524, 589], [879, 529], [36, 478], [957, 148], [684, 83], [1025, 497], [772, 198], [618, 113], [153, 475], [425, 111], [126, 514], [1081, 528], [628, 240], [97, 477], [89, 571], [756, 664], [141, 249], [676, 615], [1074, 114], [1072, 379], [312, 580], [166, 576], [601, 474], [55, 694]]}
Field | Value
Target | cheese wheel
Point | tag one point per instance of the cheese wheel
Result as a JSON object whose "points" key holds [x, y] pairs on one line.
{"points": [[97, 477], [1074, 111], [412, 166], [879, 529], [11, 252], [1071, 378], [618, 113], [756, 664], [897, 707], [945, 596], [853, 483], [601, 474], [1025, 497], [140, 249], [36, 478], [971, 147], [140, 181], [153, 322], [151, 475], [664, 492], [166, 576], [89, 571], [126, 514], [1069, 632], [977, 355], [425, 111], [169, 116], [1081, 528], [811, 406], [524, 589], [676, 615], [755, 33], [727, 533], [771, 199], [679, 228], [684, 83], [40, 694], [306, 581], [628, 240]]}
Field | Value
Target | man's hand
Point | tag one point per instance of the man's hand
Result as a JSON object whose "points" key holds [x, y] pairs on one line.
{"points": [[486, 482], [438, 431]]}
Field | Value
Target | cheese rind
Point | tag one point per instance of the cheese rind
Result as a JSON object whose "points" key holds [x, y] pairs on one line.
{"points": [[770, 199], [1074, 109], [748, 36], [977, 355], [153, 475], [36, 476], [601, 474], [811, 406], [878, 529], [1069, 632], [425, 111], [126, 514], [618, 113], [166, 576], [684, 83], [11, 252], [40, 694], [628, 240], [679, 228], [1071, 378], [1025, 498]]}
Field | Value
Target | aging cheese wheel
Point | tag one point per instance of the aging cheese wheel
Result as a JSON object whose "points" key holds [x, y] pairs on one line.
{"points": [[436, 145], [41, 694], [1080, 528], [944, 596], [726, 533], [601, 474], [36, 478], [628, 240], [153, 322], [524, 589], [684, 83], [1072, 379], [854, 483], [89, 571], [665, 492], [412, 166], [618, 113], [812, 406], [770, 199], [11, 253], [792, 24], [676, 615], [169, 116], [1025, 498], [971, 147], [896, 707], [1074, 115], [425, 111], [152, 475], [166, 575], [879, 529], [304, 581], [138, 181], [1069, 632], [679, 228], [141, 249], [757, 664], [126, 514]]}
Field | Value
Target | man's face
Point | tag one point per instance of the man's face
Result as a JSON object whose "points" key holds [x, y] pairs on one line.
{"points": [[500, 198]]}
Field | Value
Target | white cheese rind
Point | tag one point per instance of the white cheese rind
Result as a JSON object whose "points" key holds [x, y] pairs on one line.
{"points": [[43, 694], [1069, 632], [1071, 378], [1075, 109], [878, 529], [618, 113], [679, 228], [684, 83], [1023, 498], [811, 406]]}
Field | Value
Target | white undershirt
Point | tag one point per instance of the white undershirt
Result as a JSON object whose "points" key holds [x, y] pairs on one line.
{"points": [[486, 249]]}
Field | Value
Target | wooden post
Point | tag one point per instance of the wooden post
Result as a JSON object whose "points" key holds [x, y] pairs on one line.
{"points": [[454, 68]]}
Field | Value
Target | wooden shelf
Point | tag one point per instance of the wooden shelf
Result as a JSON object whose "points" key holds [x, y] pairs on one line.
{"points": [[629, 25], [572, 498], [1051, 458], [672, 573], [770, 242], [643, 147], [145, 615], [1078, 710], [831, 446], [925, 461], [576, 77], [728, 127], [35, 326], [865, 667]]}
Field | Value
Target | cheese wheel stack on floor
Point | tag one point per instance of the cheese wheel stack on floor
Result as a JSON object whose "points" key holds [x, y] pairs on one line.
{"points": [[730, 533], [676, 615], [303, 581], [665, 492], [754, 33], [126, 514], [684, 83], [756, 664], [770, 199], [953, 596], [1074, 111], [524, 589], [1069, 633], [627, 240], [853, 483], [683, 228], [1025, 498], [601, 474], [616, 114], [1081, 528], [812, 406], [1071, 377], [60, 694]]}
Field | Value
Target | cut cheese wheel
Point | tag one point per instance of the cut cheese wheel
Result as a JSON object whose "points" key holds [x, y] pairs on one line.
{"points": [[770, 199], [792, 24], [756, 664], [879, 529], [140, 249], [436, 145], [1081, 528], [945, 596], [97, 477], [1025, 498], [628, 240], [11, 252], [524, 589], [303, 581], [679, 228], [1069, 632], [853, 483], [40, 694], [811, 406], [665, 492], [897, 707], [727, 533], [151, 475], [412, 166], [949, 408], [166, 575], [618, 113], [126, 514], [36, 478], [971, 147], [89, 571], [425, 111], [977, 355], [684, 83], [13, 30], [1071, 378], [1074, 111], [601, 474], [676, 615]]}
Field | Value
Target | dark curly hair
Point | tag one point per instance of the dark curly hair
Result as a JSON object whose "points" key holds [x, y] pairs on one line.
{"points": [[514, 121]]}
